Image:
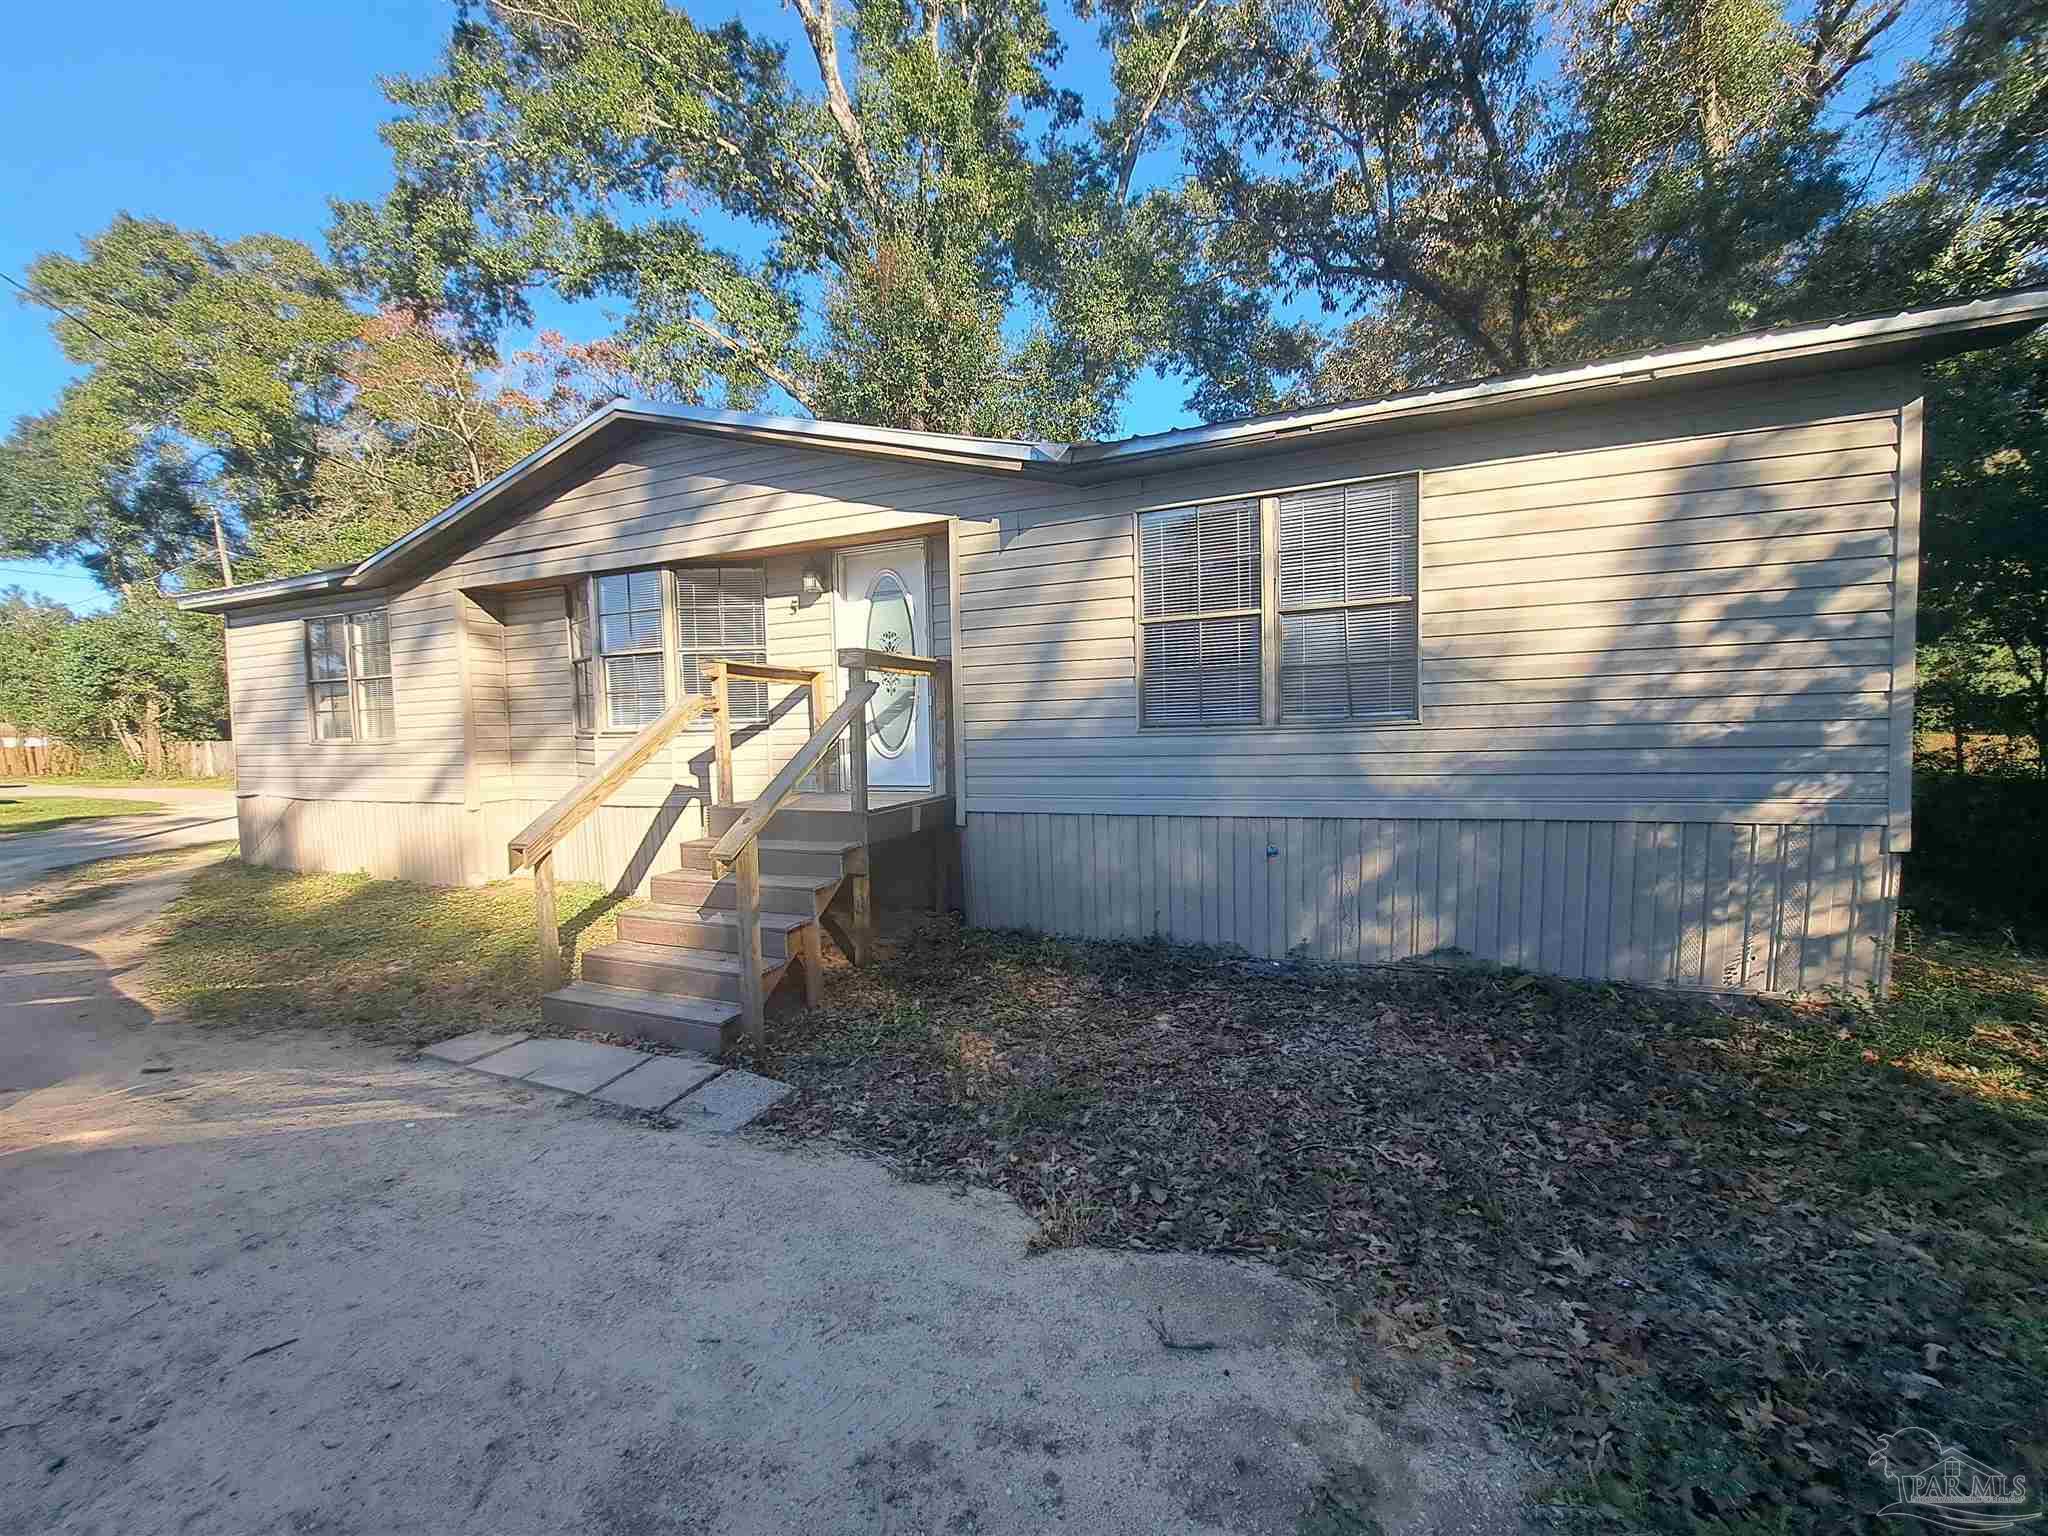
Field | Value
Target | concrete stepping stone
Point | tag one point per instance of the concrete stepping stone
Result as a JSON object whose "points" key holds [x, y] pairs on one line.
{"points": [[464, 1049], [729, 1101], [574, 1066], [658, 1082], [689, 1090]]}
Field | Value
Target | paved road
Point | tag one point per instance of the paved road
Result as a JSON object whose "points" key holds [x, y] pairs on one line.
{"points": [[260, 1283], [191, 817]]}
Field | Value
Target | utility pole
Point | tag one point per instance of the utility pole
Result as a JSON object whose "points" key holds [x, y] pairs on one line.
{"points": [[220, 547]]}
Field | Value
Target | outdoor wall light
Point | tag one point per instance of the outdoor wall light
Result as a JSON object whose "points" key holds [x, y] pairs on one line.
{"points": [[815, 581]]}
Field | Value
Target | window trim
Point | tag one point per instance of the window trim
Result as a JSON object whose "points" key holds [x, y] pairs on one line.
{"points": [[591, 663], [1269, 612], [350, 679]]}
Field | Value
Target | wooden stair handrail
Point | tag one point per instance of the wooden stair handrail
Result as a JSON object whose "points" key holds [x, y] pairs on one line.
{"points": [[566, 814], [740, 851], [769, 671], [756, 816], [892, 661]]}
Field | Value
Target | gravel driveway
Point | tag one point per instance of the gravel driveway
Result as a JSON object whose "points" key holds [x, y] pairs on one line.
{"points": [[281, 1283]]}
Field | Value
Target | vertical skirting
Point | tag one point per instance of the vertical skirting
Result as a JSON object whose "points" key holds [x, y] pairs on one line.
{"points": [[619, 846], [430, 843], [1756, 908]]}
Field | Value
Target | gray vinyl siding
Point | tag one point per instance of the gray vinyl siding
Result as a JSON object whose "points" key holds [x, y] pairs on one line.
{"points": [[1705, 905], [425, 761], [1677, 611], [667, 497]]}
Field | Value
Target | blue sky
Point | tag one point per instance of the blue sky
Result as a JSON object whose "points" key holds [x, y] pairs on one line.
{"points": [[249, 121]]}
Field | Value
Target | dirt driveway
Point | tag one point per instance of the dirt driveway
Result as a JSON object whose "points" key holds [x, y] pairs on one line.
{"points": [[189, 817], [277, 1283]]}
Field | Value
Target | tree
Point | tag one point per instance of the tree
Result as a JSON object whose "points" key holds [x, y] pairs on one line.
{"points": [[919, 247], [31, 639], [138, 675], [418, 431], [210, 366], [1977, 106], [1472, 200]]}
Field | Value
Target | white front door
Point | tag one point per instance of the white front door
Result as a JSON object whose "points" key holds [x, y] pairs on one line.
{"points": [[881, 607]]}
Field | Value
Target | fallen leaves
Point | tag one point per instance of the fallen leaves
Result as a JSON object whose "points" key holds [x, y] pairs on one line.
{"points": [[1697, 1248]]}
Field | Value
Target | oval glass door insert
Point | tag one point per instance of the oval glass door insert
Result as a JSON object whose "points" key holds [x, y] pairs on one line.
{"points": [[893, 709]]}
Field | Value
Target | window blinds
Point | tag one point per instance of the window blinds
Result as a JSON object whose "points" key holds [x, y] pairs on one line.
{"points": [[1347, 602], [721, 613], [629, 639], [1201, 610]]}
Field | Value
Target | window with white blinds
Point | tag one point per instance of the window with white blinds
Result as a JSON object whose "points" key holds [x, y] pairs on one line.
{"points": [[721, 614], [629, 645], [1200, 615], [1347, 602]]}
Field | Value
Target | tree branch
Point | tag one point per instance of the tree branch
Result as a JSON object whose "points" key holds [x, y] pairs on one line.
{"points": [[822, 28], [1134, 141]]}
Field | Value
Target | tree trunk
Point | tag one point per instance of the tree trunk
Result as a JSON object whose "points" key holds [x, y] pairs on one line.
{"points": [[153, 738]]}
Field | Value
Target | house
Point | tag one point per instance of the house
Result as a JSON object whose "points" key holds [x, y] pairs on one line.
{"points": [[1604, 671]]}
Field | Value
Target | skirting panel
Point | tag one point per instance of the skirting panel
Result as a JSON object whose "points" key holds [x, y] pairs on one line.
{"points": [[429, 843], [618, 846], [1760, 908]]}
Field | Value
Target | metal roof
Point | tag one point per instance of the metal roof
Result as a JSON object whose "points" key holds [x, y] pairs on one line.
{"points": [[1899, 335]]}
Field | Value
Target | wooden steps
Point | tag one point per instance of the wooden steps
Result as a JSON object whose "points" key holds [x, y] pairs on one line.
{"points": [[674, 973], [695, 1024], [718, 929]]}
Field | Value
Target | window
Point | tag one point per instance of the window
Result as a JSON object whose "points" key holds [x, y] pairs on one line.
{"points": [[1326, 633], [1200, 615], [629, 648], [1347, 602], [721, 613], [581, 649], [348, 677]]}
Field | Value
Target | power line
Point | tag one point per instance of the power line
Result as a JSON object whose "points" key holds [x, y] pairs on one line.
{"points": [[30, 570], [76, 320]]}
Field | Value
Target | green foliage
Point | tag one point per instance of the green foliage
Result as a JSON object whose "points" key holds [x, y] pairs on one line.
{"points": [[1478, 193], [209, 368], [420, 430], [133, 677], [32, 633], [922, 252], [1977, 106]]}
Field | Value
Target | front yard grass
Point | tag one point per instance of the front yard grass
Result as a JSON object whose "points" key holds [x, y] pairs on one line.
{"points": [[44, 814], [1701, 1253], [382, 960]]}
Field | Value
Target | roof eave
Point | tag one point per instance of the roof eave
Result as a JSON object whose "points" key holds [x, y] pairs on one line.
{"points": [[264, 591], [1898, 338]]}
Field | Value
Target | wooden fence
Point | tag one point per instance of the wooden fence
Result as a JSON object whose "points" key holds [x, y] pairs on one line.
{"points": [[60, 759]]}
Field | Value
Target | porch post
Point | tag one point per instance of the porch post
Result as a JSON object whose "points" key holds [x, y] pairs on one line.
{"points": [[746, 875], [544, 915], [858, 878], [721, 726]]}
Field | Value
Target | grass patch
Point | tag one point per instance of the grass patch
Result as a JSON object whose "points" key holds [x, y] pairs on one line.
{"points": [[86, 885], [1700, 1251], [383, 960], [45, 813], [139, 781]]}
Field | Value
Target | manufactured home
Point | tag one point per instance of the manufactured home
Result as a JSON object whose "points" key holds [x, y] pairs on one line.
{"points": [[1604, 671]]}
